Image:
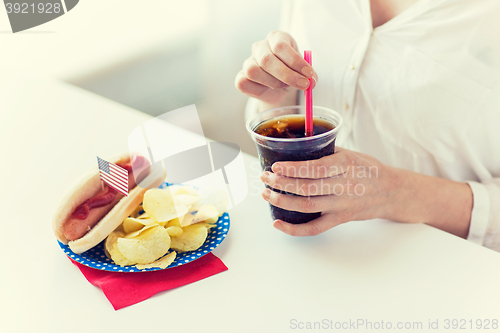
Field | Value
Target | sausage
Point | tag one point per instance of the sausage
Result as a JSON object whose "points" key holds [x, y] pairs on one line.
{"points": [[77, 228]]}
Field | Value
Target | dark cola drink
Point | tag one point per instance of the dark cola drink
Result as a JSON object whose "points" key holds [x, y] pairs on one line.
{"points": [[291, 127], [282, 138]]}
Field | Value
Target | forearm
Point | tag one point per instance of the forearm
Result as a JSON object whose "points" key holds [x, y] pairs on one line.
{"points": [[441, 203]]}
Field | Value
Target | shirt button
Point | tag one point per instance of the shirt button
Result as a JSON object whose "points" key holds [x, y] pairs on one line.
{"points": [[346, 106], [352, 67]]}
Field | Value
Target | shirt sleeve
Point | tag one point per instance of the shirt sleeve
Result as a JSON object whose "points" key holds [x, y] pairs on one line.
{"points": [[484, 136], [485, 219]]}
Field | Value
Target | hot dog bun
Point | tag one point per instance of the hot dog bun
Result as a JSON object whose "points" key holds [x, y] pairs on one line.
{"points": [[88, 186]]}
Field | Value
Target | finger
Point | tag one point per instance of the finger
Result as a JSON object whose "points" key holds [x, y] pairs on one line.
{"points": [[304, 186], [325, 167], [314, 80], [281, 45], [248, 87], [254, 73], [274, 66], [312, 228], [298, 203]]}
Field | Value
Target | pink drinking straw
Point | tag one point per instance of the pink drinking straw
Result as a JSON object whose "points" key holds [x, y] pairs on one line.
{"points": [[309, 98]]}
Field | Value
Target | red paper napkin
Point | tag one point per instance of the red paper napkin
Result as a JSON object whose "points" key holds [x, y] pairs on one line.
{"points": [[124, 289]]}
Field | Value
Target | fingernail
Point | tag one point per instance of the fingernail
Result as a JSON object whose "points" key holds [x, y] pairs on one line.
{"points": [[276, 168], [265, 176], [314, 82], [278, 225], [307, 71], [266, 194], [303, 83]]}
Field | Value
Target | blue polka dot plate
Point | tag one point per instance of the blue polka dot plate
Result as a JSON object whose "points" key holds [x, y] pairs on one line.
{"points": [[96, 258]]}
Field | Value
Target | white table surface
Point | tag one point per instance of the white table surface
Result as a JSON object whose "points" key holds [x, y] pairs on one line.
{"points": [[373, 270]]}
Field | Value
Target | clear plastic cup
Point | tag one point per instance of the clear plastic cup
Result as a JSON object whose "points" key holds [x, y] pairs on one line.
{"points": [[272, 149]]}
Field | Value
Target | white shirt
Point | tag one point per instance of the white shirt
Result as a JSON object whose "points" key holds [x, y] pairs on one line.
{"points": [[421, 92]]}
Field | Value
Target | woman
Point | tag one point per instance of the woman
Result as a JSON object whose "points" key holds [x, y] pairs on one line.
{"points": [[418, 85]]}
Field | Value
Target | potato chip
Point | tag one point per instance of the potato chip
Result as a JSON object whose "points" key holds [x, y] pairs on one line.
{"points": [[131, 224], [160, 263], [118, 257], [174, 231], [210, 225], [160, 206], [185, 199], [182, 189], [143, 239], [138, 232], [110, 240], [191, 239], [187, 220], [111, 248], [207, 225], [212, 220], [214, 196], [173, 222], [146, 247], [143, 222], [206, 212]]}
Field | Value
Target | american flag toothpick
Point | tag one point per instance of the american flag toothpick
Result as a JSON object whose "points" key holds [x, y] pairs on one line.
{"points": [[113, 175]]}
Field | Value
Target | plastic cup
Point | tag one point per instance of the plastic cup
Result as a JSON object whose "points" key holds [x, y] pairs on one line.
{"points": [[272, 150]]}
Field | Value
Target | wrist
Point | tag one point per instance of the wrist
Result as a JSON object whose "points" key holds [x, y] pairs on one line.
{"points": [[396, 194], [441, 203]]}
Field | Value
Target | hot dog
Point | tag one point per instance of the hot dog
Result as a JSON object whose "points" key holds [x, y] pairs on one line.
{"points": [[91, 209], [86, 215]]}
